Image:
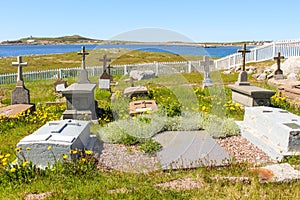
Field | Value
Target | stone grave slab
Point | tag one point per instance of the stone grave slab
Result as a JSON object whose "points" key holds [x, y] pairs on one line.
{"points": [[189, 149], [62, 136], [80, 101], [282, 172], [136, 91], [16, 109], [273, 130], [251, 95], [142, 106]]}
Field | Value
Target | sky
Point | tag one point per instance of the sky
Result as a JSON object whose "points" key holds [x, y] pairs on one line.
{"points": [[196, 20]]}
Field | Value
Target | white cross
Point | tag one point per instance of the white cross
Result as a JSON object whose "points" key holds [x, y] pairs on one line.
{"points": [[206, 63], [19, 63]]}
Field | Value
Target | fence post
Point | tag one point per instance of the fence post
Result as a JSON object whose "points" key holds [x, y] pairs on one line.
{"points": [[189, 66], [60, 75], [274, 48], [125, 70], [156, 68]]}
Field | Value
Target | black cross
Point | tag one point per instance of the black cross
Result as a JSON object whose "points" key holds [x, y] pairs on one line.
{"points": [[244, 51], [278, 58], [83, 53]]}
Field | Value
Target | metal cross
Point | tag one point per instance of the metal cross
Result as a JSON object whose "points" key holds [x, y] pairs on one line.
{"points": [[19, 63], [244, 51], [104, 60], [83, 53], [278, 58], [206, 63]]}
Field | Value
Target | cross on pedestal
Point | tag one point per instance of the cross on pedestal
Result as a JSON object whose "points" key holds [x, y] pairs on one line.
{"points": [[243, 76], [244, 51], [83, 53], [104, 60], [20, 64], [206, 64], [278, 73], [83, 75]]}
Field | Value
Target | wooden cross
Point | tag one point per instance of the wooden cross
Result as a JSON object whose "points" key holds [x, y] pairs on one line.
{"points": [[83, 53], [244, 51], [104, 60], [278, 58], [19, 63]]}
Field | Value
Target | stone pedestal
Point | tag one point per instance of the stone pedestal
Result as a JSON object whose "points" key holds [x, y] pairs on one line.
{"points": [[61, 136], [251, 95], [207, 83], [243, 78], [273, 130], [80, 101], [20, 95]]}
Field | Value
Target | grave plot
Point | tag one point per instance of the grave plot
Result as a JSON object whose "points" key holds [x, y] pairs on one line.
{"points": [[248, 95], [55, 139], [142, 106], [273, 130], [189, 149]]}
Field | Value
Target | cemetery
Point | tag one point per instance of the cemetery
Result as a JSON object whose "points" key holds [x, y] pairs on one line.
{"points": [[198, 130]]}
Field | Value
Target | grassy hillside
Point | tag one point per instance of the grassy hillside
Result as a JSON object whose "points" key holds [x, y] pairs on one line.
{"points": [[118, 56]]}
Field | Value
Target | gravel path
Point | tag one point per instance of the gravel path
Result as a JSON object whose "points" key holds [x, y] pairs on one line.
{"points": [[129, 159]]}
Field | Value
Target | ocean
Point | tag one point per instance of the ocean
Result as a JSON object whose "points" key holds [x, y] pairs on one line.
{"points": [[22, 50]]}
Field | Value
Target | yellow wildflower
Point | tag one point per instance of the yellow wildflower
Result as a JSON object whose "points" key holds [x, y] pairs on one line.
{"points": [[15, 162], [1, 156], [24, 164], [49, 148], [18, 149], [7, 155], [65, 157], [27, 148], [73, 151], [82, 159], [88, 152], [12, 170]]}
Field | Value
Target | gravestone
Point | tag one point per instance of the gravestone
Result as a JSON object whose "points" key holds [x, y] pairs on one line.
{"points": [[244, 93], [136, 91], [207, 82], [189, 149], [15, 109], [105, 79], [20, 95], [62, 136], [243, 76], [273, 130], [142, 106], [80, 97], [278, 74], [60, 85]]}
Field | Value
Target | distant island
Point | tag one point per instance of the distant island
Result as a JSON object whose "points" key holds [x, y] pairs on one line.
{"points": [[77, 39]]}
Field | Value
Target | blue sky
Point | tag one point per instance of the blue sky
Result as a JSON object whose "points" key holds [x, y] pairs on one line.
{"points": [[201, 21]]}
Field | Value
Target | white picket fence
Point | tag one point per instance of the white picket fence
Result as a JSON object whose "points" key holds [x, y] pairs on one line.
{"points": [[157, 67], [287, 48]]}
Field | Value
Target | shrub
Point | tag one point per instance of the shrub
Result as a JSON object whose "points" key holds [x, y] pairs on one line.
{"points": [[150, 146]]}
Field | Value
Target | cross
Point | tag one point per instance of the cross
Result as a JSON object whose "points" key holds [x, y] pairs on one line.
{"points": [[244, 51], [83, 53], [104, 60], [19, 63], [206, 63], [278, 58]]}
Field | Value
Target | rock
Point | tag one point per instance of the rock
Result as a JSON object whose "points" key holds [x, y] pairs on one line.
{"points": [[268, 70], [226, 72], [250, 71], [262, 77], [237, 69], [255, 75], [270, 76], [142, 75], [292, 77]]}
